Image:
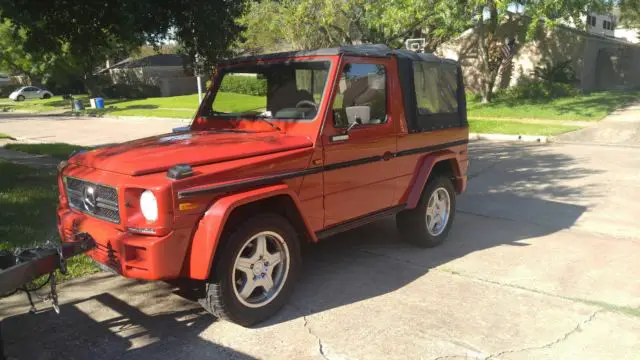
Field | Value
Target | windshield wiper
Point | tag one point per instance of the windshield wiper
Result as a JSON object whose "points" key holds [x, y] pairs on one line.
{"points": [[263, 118]]}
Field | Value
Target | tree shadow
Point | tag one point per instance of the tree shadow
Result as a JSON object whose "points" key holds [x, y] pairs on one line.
{"points": [[519, 187]]}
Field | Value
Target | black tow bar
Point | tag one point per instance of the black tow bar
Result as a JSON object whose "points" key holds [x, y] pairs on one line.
{"points": [[25, 265]]}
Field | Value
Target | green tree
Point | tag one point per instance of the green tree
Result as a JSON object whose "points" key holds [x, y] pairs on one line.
{"points": [[90, 31], [629, 11], [14, 59], [543, 14], [308, 24]]}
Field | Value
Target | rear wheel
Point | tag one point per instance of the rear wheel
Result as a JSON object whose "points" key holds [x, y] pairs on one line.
{"points": [[255, 272], [46, 96], [429, 223], [20, 98]]}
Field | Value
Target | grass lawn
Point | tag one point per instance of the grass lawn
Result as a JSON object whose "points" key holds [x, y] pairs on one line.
{"points": [[517, 128], [5, 136], [183, 106], [56, 150], [28, 199], [589, 107], [41, 105]]}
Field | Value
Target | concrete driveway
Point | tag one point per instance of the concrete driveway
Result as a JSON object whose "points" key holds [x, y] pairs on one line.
{"points": [[541, 264]]}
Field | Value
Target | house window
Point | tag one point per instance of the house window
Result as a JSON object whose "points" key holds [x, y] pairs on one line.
{"points": [[593, 21], [589, 18]]}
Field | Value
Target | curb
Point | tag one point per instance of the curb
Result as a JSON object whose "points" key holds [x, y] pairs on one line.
{"points": [[504, 137]]}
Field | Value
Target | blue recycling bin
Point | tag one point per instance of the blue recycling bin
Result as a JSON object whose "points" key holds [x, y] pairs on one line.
{"points": [[99, 103], [77, 105]]}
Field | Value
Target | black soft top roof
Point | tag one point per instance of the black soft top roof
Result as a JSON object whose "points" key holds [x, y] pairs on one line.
{"points": [[366, 50]]}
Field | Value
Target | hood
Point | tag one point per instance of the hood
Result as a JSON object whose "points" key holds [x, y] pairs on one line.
{"points": [[159, 153]]}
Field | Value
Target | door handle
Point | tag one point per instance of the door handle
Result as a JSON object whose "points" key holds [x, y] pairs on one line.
{"points": [[387, 156]]}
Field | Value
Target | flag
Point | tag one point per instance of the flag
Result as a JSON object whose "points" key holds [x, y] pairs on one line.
{"points": [[508, 50]]}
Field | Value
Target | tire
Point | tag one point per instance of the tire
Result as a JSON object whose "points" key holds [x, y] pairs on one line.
{"points": [[223, 296], [46, 96], [20, 98], [413, 224]]}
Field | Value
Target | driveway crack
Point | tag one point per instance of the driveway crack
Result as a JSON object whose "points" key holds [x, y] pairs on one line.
{"points": [[320, 345], [562, 338]]}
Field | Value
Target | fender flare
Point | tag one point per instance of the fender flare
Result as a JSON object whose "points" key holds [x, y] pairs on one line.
{"points": [[423, 171], [208, 233]]}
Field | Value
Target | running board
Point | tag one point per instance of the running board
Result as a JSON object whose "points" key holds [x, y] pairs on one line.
{"points": [[355, 223]]}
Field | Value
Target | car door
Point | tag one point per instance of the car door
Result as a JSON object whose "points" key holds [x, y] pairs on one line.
{"points": [[29, 93], [357, 181]]}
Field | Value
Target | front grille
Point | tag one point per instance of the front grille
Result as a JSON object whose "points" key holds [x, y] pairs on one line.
{"points": [[94, 199]]}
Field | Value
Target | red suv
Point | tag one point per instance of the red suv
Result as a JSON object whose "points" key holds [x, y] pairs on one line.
{"points": [[343, 137]]}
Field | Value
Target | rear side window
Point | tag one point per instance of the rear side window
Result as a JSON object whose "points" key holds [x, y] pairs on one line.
{"points": [[436, 88]]}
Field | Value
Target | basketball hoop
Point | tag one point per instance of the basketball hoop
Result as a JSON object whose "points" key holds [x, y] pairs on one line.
{"points": [[416, 45]]}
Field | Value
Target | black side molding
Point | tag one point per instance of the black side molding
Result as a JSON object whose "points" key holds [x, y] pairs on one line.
{"points": [[355, 223], [276, 178]]}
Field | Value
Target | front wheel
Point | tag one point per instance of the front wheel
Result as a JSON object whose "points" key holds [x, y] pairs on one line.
{"points": [[255, 272], [20, 98], [429, 223]]}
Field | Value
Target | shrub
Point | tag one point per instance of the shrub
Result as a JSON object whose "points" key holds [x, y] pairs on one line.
{"points": [[5, 91], [247, 85], [127, 91], [537, 91], [561, 72]]}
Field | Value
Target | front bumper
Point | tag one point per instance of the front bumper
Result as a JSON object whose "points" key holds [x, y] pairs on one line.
{"points": [[131, 255]]}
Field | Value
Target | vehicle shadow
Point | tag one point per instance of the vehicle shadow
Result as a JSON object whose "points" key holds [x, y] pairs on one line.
{"points": [[115, 329]]}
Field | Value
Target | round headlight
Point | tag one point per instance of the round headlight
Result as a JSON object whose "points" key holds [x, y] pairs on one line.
{"points": [[149, 206]]}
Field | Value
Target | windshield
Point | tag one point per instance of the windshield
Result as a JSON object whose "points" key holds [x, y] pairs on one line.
{"points": [[282, 90]]}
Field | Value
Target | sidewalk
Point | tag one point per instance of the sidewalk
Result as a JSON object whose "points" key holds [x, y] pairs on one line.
{"points": [[538, 121], [32, 160], [621, 128]]}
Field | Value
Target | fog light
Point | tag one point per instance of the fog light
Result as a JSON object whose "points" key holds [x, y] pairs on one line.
{"points": [[149, 231]]}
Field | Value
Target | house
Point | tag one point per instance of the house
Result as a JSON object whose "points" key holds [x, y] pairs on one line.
{"points": [[601, 24], [166, 71], [600, 61]]}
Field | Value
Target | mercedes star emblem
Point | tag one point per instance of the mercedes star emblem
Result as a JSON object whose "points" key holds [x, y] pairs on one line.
{"points": [[89, 198]]}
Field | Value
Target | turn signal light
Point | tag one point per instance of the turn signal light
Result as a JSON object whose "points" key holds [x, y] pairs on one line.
{"points": [[188, 206]]}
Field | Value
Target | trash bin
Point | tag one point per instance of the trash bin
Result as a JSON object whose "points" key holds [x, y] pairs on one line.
{"points": [[77, 105], [99, 103], [92, 103]]}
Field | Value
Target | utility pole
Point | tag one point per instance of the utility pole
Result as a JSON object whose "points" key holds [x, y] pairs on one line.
{"points": [[198, 77]]}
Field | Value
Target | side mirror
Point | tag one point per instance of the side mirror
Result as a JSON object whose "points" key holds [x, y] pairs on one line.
{"points": [[357, 122], [181, 129], [358, 114]]}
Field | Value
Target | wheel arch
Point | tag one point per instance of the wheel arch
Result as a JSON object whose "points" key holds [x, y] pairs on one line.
{"points": [[229, 211], [440, 163]]}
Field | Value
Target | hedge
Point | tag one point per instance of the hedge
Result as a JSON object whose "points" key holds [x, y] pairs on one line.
{"points": [[247, 85]]}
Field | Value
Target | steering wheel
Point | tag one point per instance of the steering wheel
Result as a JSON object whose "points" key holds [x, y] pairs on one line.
{"points": [[307, 102]]}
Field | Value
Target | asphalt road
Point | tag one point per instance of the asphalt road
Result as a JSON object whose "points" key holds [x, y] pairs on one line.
{"points": [[541, 264]]}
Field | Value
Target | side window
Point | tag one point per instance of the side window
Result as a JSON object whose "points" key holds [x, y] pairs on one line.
{"points": [[436, 88], [311, 81], [361, 95]]}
